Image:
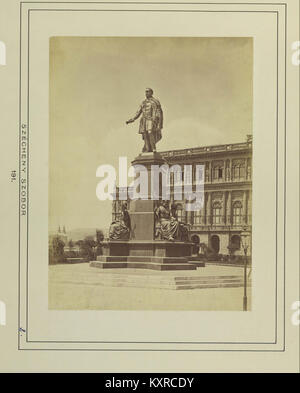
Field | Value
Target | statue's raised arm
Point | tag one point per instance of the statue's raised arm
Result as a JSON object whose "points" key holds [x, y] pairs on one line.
{"points": [[136, 116]]}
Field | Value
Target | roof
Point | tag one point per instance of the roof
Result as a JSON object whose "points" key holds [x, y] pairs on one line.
{"points": [[231, 147]]}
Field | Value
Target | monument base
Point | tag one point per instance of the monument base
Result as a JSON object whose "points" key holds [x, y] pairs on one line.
{"points": [[144, 251], [154, 255]]}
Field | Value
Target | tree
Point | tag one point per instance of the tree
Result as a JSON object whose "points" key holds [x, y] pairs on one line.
{"points": [[99, 235], [87, 247], [56, 251], [100, 238]]}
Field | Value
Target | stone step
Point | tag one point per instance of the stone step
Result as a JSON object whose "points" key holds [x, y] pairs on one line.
{"points": [[145, 258], [150, 285], [73, 261], [208, 277], [142, 265], [176, 280], [202, 286], [198, 264], [153, 259], [110, 258], [170, 285], [167, 278], [155, 282]]}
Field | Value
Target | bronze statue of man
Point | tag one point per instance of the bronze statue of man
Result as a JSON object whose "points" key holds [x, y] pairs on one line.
{"points": [[151, 122]]}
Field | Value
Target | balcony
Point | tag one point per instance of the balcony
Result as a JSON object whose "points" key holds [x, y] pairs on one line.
{"points": [[222, 225]]}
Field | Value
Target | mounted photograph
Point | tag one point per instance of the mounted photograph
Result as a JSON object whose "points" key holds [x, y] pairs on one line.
{"points": [[150, 173]]}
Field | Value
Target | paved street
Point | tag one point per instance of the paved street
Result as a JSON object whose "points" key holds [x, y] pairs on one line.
{"points": [[75, 287]]}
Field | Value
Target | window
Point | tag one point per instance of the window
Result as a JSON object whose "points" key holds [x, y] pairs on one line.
{"points": [[242, 172], [237, 213], [249, 171], [180, 213], [218, 173], [239, 171], [116, 210], [236, 242], [217, 213], [188, 174], [197, 217], [199, 174], [206, 175]]}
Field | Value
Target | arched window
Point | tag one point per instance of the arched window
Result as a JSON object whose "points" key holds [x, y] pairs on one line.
{"points": [[215, 243], [237, 213], [195, 239], [216, 213]]}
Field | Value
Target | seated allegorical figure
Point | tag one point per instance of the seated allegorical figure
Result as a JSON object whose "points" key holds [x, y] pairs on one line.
{"points": [[168, 226], [183, 231], [121, 228]]}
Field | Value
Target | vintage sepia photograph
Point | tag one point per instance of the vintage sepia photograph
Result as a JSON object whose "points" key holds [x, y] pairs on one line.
{"points": [[150, 185], [150, 173]]}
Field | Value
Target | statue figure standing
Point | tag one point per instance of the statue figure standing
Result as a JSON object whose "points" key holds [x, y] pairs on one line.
{"points": [[151, 122]]}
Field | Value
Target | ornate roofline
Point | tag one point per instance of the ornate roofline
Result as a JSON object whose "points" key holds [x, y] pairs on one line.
{"points": [[208, 150]]}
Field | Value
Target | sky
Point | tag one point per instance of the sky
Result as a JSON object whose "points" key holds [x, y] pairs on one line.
{"points": [[204, 86]]}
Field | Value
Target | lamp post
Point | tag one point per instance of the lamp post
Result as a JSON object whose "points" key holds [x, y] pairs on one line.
{"points": [[245, 245]]}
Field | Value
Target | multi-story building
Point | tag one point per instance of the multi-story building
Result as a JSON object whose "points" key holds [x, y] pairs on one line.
{"points": [[227, 208], [226, 212]]}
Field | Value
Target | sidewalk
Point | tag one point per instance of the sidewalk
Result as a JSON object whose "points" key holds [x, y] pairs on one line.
{"points": [[75, 287]]}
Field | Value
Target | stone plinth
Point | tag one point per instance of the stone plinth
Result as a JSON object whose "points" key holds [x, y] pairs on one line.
{"points": [[156, 255]]}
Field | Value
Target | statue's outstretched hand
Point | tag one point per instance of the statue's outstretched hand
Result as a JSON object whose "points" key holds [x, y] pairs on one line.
{"points": [[129, 121]]}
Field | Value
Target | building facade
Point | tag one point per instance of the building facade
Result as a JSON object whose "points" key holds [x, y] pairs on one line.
{"points": [[227, 210], [226, 216]]}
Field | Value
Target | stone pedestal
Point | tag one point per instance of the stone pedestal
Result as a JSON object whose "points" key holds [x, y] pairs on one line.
{"points": [[143, 250], [142, 211]]}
